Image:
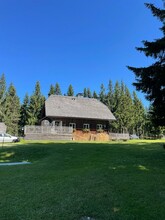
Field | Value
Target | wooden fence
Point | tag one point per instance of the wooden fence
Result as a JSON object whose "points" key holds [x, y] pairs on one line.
{"points": [[118, 136], [48, 133], [47, 130], [60, 133]]}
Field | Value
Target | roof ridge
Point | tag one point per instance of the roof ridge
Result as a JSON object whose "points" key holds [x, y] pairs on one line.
{"points": [[71, 97]]}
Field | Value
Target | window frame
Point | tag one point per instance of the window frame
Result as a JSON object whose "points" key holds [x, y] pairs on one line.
{"points": [[99, 127], [86, 126], [54, 123], [72, 125]]}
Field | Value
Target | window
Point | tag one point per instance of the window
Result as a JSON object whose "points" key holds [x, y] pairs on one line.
{"points": [[56, 123], [45, 123], [99, 126], [7, 135], [86, 126], [73, 125]]}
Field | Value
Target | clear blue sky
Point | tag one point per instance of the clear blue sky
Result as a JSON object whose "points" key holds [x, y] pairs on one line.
{"points": [[79, 42]]}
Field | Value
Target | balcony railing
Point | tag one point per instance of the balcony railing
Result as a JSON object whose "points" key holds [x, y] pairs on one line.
{"points": [[33, 129]]}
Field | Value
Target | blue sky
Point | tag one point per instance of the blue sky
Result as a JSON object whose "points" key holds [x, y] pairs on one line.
{"points": [[79, 42]]}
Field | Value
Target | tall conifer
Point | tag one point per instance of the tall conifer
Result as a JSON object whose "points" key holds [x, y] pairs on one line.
{"points": [[151, 79], [95, 96], [12, 110], [110, 96], [89, 94], [36, 105], [24, 114], [102, 94], [51, 90], [70, 91], [85, 94], [139, 116], [57, 90], [2, 96]]}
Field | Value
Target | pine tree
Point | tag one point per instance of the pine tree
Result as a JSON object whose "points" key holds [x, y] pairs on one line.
{"points": [[57, 90], [51, 90], [12, 110], [36, 105], [2, 96], [151, 79], [70, 91]]}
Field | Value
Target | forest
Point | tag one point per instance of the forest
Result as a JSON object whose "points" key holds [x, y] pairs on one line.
{"points": [[128, 109]]}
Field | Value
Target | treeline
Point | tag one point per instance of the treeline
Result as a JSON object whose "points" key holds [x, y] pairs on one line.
{"points": [[129, 111]]}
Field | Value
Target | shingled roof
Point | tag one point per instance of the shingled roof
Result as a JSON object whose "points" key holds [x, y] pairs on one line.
{"points": [[76, 107]]}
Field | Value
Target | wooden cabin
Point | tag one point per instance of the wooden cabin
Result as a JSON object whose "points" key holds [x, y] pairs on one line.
{"points": [[80, 113]]}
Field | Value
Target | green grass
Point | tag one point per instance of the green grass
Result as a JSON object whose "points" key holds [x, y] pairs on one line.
{"points": [[66, 181]]}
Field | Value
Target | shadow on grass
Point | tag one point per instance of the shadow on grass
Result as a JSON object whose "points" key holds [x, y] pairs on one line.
{"points": [[23, 152], [116, 156]]}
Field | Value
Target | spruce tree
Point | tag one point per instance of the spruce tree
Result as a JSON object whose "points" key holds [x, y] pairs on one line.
{"points": [[127, 104], [24, 114], [116, 95], [123, 109], [70, 91], [102, 94], [36, 105], [85, 94], [138, 116], [89, 94], [95, 96], [110, 96], [51, 90], [12, 110], [115, 125], [2, 96], [151, 79], [57, 90]]}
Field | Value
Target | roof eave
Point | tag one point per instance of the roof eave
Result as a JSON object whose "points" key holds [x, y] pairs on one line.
{"points": [[62, 116]]}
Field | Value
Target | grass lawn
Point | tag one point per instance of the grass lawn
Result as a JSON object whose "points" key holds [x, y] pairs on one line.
{"points": [[68, 180]]}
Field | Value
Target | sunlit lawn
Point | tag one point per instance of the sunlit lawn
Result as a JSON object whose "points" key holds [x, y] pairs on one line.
{"points": [[68, 181]]}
